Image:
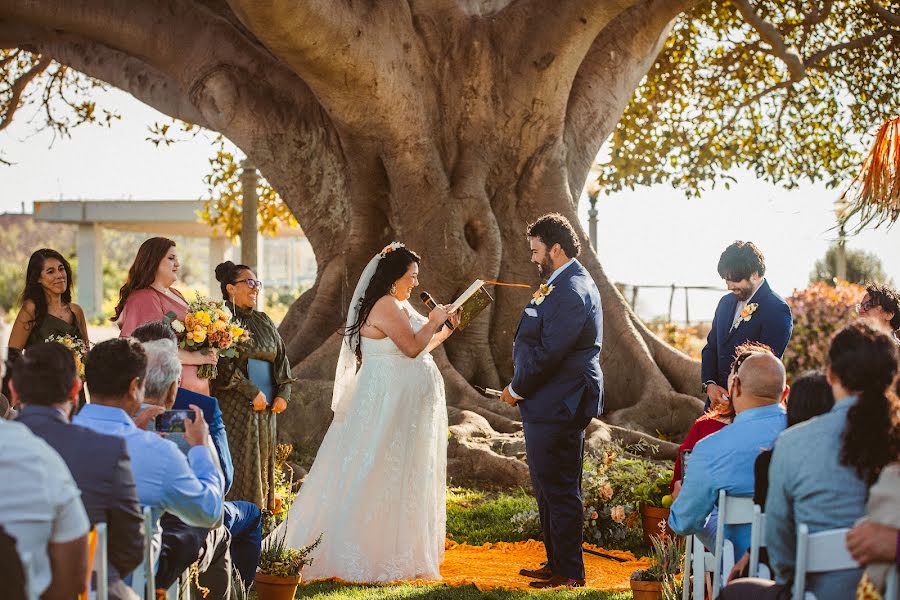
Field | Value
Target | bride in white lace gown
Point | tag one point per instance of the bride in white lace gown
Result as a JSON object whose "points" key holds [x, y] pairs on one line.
{"points": [[377, 487]]}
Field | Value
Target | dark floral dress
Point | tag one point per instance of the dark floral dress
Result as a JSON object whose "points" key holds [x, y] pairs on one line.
{"points": [[251, 435]]}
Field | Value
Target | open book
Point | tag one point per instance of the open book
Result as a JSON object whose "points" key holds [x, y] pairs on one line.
{"points": [[471, 302]]}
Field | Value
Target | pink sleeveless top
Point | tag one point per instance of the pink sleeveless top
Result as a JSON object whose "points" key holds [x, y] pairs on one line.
{"points": [[146, 305]]}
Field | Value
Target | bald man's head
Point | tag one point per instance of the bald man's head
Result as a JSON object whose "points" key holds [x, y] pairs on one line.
{"points": [[761, 380]]}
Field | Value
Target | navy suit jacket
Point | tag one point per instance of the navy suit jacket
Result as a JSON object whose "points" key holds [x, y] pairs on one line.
{"points": [[101, 468], [212, 414], [556, 352], [771, 324]]}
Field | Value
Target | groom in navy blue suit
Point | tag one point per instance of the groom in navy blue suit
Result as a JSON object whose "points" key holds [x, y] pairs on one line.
{"points": [[752, 312], [558, 387]]}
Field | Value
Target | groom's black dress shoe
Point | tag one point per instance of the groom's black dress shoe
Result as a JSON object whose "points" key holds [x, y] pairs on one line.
{"points": [[557, 581], [543, 573]]}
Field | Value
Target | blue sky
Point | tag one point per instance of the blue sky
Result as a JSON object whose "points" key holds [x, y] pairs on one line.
{"points": [[652, 235]]}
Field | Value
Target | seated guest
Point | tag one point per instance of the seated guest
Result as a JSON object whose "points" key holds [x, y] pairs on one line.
{"points": [[810, 397], [159, 330], [874, 542], [242, 519], [12, 572], [880, 306], [46, 383], [821, 470], [724, 460], [190, 488], [43, 513], [710, 422], [182, 544]]}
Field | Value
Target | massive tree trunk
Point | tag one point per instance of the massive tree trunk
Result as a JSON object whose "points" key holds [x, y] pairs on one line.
{"points": [[447, 124]]}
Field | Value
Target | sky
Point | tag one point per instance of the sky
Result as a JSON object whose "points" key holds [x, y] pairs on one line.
{"points": [[653, 235]]}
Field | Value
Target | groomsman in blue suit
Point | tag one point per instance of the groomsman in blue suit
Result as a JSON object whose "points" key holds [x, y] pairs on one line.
{"points": [[558, 387], [752, 312]]}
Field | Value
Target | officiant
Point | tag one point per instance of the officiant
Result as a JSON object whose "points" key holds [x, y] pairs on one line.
{"points": [[252, 388]]}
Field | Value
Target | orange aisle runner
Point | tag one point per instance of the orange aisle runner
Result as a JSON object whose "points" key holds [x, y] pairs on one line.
{"points": [[497, 566]]}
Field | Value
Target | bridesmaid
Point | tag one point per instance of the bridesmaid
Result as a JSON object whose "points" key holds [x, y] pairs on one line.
{"points": [[47, 307], [251, 388], [148, 295]]}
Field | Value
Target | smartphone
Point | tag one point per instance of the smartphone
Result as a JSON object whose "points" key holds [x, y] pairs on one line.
{"points": [[172, 421]]}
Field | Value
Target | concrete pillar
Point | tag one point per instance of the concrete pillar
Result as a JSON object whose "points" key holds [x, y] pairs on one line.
{"points": [[249, 206], [217, 247], [592, 220], [90, 271], [260, 269]]}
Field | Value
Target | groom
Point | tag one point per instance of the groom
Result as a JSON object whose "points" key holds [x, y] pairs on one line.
{"points": [[558, 386]]}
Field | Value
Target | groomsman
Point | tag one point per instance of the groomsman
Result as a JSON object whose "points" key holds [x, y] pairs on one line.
{"points": [[751, 312]]}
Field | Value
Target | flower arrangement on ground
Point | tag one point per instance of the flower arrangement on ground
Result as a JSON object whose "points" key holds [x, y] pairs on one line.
{"points": [[208, 324], [666, 562], [76, 345]]}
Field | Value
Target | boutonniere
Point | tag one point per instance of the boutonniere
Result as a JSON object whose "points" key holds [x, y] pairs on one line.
{"points": [[747, 311], [541, 293]]}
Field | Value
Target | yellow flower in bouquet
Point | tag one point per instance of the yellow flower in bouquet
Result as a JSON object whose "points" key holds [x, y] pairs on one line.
{"points": [[76, 345], [208, 324]]}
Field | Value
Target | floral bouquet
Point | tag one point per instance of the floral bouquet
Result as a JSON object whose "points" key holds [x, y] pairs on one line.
{"points": [[77, 346], [208, 324]]}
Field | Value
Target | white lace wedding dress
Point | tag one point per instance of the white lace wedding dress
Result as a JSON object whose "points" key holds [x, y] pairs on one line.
{"points": [[377, 487]]}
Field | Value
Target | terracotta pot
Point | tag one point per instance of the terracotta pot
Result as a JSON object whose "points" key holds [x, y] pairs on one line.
{"points": [[650, 518], [272, 587], [646, 590]]}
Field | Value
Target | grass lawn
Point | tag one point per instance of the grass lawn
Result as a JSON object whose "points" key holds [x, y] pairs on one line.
{"points": [[334, 591], [475, 517]]}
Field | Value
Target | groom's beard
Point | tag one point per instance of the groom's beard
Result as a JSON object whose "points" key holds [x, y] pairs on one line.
{"points": [[545, 268]]}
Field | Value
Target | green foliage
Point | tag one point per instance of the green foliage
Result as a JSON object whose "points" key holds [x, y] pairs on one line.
{"points": [[280, 560], [475, 517], [819, 311], [22, 236], [666, 557], [719, 97], [862, 267], [331, 590]]}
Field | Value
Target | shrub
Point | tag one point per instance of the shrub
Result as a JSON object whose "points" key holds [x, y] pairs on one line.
{"points": [[819, 312]]}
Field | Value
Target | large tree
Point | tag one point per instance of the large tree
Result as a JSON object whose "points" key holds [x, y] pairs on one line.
{"points": [[450, 124]]}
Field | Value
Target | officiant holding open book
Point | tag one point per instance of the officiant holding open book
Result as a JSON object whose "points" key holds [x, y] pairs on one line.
{"points": [[558, 386]]}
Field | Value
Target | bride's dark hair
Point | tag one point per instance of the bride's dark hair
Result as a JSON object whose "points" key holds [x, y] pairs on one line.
{"points": [[390, 268]]}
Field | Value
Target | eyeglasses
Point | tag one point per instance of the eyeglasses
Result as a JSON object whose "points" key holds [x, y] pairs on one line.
{"points": [[865, 306], [251, 283]]}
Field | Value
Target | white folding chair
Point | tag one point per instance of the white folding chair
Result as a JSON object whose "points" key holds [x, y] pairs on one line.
{"points": [[757, 539], [819, 552], [180, 588], [101, 567], [143, 580], [733, 510]]}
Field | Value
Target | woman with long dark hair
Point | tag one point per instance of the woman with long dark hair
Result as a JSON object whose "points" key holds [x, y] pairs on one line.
{"points": [[47, 307], [251, 387], [822, 469], [377, 488], [148, 295]]}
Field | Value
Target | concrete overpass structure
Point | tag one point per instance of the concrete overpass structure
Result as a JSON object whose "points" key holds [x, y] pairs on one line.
{"points": [[154, 217]]}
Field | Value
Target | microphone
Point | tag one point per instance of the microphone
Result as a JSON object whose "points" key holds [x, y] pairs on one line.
{"points": [[431, 304]]}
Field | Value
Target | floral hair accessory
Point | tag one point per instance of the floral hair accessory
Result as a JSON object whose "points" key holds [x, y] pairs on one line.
{"points": [[391, 247]]}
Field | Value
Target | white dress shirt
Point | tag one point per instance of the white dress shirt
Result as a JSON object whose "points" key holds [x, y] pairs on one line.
{"points": [[40, 502]]}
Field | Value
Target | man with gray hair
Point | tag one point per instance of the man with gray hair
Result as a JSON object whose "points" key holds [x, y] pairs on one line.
{"points": [[182, 544], [725, 459]]}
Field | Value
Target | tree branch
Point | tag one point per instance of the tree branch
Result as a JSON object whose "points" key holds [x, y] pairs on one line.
{"points": [[18, 87], [618, 59], [861, 42], [885, 14], [770, 34]]}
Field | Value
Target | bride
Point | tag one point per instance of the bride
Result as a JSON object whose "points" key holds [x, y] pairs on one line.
{"points": [[377, 487]]}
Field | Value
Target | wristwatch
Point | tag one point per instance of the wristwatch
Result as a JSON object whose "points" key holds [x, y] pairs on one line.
{"points": [[705, 385]]}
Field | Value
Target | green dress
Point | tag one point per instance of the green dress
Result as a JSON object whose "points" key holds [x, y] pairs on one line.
{"points": [[251, 435], [51, 325]]}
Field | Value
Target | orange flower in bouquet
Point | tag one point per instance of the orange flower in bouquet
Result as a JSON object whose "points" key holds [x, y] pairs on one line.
{"points": [[207, 325]]}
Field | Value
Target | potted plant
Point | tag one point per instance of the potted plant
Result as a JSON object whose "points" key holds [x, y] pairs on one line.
{"points": [[655, 500], [660, 581], [280, 568]]}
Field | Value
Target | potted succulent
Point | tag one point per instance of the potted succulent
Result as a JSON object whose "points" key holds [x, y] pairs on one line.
{"points": [[660, 580], [655, 500], [280, 568]]}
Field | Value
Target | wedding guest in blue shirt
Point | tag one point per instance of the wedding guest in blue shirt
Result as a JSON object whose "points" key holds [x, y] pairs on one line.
{"points": [[724, 460], [822, 469], [190, 488]]}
